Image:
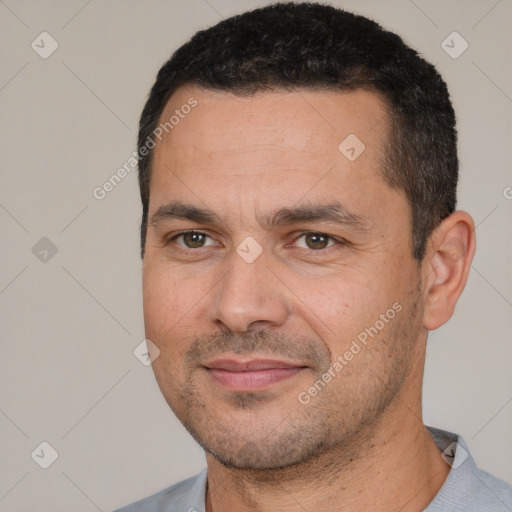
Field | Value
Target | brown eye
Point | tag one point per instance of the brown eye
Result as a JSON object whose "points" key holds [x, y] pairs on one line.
{"points": [[191, 239], [315, 241]]}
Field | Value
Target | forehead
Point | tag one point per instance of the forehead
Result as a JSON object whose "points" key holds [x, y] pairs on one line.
{"points": [[301, 120], [271, 147]]}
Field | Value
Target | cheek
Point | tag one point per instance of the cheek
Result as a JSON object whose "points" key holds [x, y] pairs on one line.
{"points": [[340, 306], [169, 305], [165, 319]]}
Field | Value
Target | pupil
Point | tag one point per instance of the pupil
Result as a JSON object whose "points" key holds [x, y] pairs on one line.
{"points": [[193, 239], [316, 241]]}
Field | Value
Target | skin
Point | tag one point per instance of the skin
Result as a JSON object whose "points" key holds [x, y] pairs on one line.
{"points": [[303, 300]]}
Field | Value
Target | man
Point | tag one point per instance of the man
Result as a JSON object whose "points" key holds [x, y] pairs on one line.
{"points": [[298, 177]]}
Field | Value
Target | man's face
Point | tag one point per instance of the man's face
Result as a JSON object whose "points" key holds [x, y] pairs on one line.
{"points": [[301, 269]]}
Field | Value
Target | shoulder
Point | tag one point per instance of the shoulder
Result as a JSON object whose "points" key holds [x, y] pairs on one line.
{"points": [[467, 487], [474, 491], [186, 496]]}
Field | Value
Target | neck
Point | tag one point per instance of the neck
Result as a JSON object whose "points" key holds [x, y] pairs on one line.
{"points": [[396, 466]]}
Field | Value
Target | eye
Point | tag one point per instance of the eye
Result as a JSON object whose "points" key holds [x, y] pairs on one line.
{"points": [[315, 241], [192, 239]]}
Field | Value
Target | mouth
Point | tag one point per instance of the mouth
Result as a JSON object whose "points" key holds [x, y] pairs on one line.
{"points": [[250, 375]]}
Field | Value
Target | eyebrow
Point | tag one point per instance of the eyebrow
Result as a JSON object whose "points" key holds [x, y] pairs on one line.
{"points": [[309, 212], [334, 212], [179, 210]]}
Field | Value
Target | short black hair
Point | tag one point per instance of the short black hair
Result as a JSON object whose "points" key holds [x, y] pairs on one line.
{"points": [[288, 46]]}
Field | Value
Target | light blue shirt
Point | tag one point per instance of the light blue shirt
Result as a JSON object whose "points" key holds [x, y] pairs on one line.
{"points": [[466, 489]]}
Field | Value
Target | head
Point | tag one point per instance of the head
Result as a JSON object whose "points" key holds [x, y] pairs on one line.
{"points": [[310, 158]]}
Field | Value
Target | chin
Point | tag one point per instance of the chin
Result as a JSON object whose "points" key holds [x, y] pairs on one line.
{"points": [[256, 450]]}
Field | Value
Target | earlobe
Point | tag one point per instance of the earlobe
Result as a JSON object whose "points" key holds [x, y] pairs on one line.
{"points": [[446, 267]]}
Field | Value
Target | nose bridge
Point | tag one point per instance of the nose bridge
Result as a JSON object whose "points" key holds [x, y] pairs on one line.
{"points": [[248, 293]]}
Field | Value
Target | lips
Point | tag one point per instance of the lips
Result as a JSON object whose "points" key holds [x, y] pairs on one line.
{"points": [[251, 375]]}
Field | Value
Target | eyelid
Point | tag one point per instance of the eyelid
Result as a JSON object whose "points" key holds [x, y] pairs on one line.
{"points": [[337, 240], [174, 236]]}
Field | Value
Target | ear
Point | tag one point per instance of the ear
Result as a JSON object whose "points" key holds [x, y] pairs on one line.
{"points": [[446, 266]]}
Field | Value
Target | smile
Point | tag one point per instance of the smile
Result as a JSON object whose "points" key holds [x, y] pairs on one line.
{"points": [[250, 376]]}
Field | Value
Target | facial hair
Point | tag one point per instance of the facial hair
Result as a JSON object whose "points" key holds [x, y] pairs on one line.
{"points": [[342, 413]]}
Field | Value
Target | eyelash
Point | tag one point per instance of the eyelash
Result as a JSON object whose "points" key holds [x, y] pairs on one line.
{"points": [[337, 241]]}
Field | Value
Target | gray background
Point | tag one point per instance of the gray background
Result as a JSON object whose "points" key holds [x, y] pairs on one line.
{"points": [[70, 322]]}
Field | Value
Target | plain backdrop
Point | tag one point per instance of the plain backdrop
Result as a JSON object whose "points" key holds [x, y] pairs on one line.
{"points": [[70, 278]]}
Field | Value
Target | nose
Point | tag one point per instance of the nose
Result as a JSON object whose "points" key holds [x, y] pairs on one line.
{"points": [[249, 296]]}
